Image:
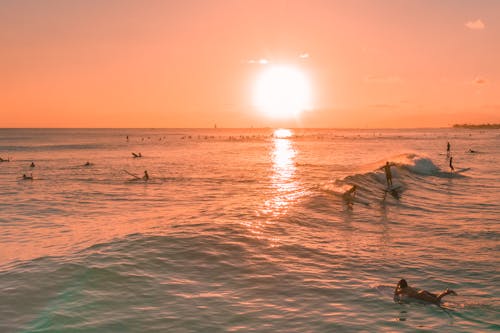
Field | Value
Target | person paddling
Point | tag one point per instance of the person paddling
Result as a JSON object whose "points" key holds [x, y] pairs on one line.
{"points": [[403, 291], [30, 177]]}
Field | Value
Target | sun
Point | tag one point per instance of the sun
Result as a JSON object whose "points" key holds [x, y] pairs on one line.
{"points": [[282, 92]]}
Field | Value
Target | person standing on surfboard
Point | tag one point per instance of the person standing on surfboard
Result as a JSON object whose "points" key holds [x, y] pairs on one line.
{"points": [[146, 176], [448, 149], [388, 174], [451, 165]]}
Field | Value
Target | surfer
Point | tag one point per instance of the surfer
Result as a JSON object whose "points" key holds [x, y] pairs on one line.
{"points": [[30, 177], [87, 164], [146, 176], [350, 194], [451, 164], [136, 155], [388, 174], [448, 149], [472, 151], [403, 291], [4, 160], [32, 165]]}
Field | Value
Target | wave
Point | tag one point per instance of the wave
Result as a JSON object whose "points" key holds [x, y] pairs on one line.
{"points": [[408, 170]]}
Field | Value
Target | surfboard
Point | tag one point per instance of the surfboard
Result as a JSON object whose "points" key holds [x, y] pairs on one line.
{"points": [[392, 188], [130, 173]]}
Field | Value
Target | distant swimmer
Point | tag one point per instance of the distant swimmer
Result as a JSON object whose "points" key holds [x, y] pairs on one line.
{"points": [[388, 174], [451, 164], [472, 151], [87, 164], [136, 155], [30, 177], [403, 291], [146, 176], [32, 165], [448, 149]]}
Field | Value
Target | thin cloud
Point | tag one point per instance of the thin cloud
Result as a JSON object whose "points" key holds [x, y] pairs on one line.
{"points": [[479, 80], [304, 55], [383, 106], [261, 61], [475, 25], [382, 79]]}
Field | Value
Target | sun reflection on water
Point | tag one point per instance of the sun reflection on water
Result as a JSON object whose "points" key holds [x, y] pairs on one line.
{"points": [[284, 185]]}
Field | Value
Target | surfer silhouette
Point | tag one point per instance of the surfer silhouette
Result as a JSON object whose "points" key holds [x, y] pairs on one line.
{"points": [[388, 174], [448, 149], [451, 164], [146, 176], [32, 165], [349, 195], [136, 155], [403, 291]]}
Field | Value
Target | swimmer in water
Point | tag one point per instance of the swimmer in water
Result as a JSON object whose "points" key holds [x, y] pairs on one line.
{"points": [[146, 176], [87, 164], [30, 177], [32, 165], [404, 291], [4, 160]]}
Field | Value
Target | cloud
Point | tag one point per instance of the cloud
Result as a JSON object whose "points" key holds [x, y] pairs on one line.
{"points": [[382, 79], [479, 80], [261, 61], [475, 25], [304, 55]]}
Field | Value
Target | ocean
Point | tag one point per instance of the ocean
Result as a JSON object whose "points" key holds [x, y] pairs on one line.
{"points": [[247, 230]]}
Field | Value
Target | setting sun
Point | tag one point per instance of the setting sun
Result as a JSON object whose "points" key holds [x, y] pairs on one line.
{"points": [[282, 92]]}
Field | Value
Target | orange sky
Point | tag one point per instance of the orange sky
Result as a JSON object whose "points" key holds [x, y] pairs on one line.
{"points": [[90, 63]]}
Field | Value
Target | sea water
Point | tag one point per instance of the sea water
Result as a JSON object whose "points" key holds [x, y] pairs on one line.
{"points": [[247, 230]]}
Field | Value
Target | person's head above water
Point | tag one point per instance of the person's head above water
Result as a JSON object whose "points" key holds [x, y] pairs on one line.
{"points": [[402, 283]]}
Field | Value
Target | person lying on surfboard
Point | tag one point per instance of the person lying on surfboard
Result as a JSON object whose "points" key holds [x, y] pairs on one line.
{"points": [[403, 291], [30, 177]]}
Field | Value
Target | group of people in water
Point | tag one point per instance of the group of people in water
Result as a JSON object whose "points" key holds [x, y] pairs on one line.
{"points": [[145, 177]]}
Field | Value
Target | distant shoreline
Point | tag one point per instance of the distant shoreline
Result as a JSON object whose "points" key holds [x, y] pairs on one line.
{"points": [[479, 126]]}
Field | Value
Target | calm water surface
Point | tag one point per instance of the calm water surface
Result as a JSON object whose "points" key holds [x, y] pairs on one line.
{"points": [[247, 230]]}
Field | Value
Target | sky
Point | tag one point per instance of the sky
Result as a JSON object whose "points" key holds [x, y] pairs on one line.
{"points": [[195, 63]]}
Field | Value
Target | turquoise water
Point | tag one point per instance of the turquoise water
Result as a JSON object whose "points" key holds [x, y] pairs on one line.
{"points": [[245, 230]]}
